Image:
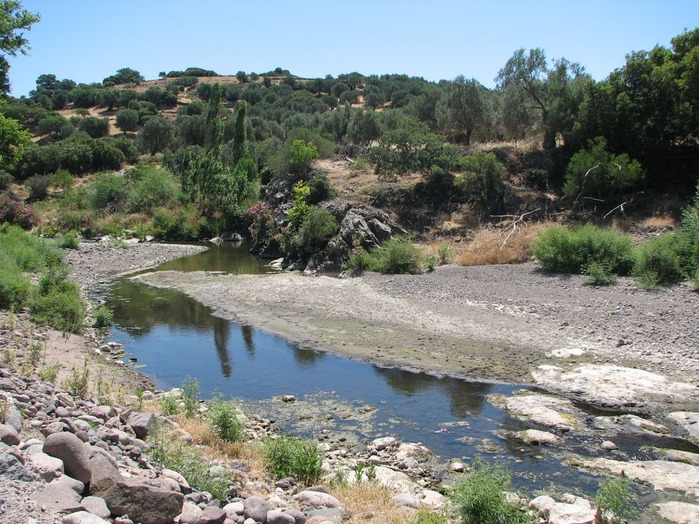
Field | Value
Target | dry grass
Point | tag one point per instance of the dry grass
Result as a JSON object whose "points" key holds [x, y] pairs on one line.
{"points": [[369, 503], [489, 247]]}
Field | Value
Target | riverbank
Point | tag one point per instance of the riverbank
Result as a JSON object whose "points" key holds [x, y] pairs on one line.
{"points": [[507, 323]]}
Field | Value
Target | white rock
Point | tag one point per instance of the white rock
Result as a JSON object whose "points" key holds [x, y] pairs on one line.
{"points": [[535, 436], [688, 420], [432, 499], [82, 517], [317, 499], [47, 467], [608, 445], [383, 443], [406, 499], [678, 512]]}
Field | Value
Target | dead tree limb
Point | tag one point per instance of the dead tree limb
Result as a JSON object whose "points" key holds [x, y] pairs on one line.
{"points": [[582, 187], [516, 219], [620, 207]]}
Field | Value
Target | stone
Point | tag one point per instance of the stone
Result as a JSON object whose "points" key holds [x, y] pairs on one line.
{"points": [[561, 513], [661, 474], [395, 480], [104, 473], [457, 467], [11, 468], [409, 450], [9, 435], [142, 423], [143, 503], [71, 451], [276, 516], [536, 437], [406, 499], [47, 467], [13, 418], [58, 498], [82, 517], [608, 445], [678, 512], [72, 483], [688, 420], [96, 506], [677, 455], [545, 410], [542, 504], [433, 499], [256, 509], [317, 499], [233, 509], [334, 515], [213, 515], [383, 443], [191, 513]]}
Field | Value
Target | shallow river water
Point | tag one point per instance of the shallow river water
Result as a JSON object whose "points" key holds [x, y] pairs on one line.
{"points": [[172, 337]]}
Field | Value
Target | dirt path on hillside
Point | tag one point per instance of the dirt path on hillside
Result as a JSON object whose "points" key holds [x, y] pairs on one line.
{"points": [[490, 322]]}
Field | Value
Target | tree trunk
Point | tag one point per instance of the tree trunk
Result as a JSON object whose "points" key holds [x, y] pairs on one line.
{"points": [[549, 134]]}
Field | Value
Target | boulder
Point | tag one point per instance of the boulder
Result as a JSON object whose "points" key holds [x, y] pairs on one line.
{"points": [[72, 483], [11, 468], [96, 506], [72, 452], [104, 473], [276, 516], [58, 498], [256, 508], [47, 467], [317, 499], [688, 420], [142, 423], [536, 437], [678, 512], [82, 517], [9, 435], [191, 513], [143, 503], [214, 515]]}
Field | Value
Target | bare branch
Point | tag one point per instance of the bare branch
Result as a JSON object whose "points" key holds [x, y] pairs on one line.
{"points": [[517, 219], [582, 187], [619, 207]]}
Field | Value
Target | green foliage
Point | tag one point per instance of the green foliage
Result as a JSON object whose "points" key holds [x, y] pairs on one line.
{"points": [[38, 186], [14, 139], [292, 457], [128, 120], [14, 212], [94, 127], [57, 302], [396, 256], [169, 405], [190, 396], [318, 226], [69, 240], [78, 381], [567, 250], [658, 262], [62, 179], [614, 497], [297, 214], [49, 373], [5, 179], [14, 286], [103, 317], [152, 187], [320, 190], [302, 153], [599, 273], [189, 461], [155, 135], [223, 417], [446, 254], [109, 193], [481, 177], [13, 22], [125, 75], [183, 223], [480, 497], [595, 172]]}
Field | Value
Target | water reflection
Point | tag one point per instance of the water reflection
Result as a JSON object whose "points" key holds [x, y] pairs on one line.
{"points": [[222, 335], [246, 333], [234, 258]]}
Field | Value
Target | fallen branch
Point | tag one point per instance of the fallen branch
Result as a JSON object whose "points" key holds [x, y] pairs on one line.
{"points": [[516, 220], [619, 207], [582, 187]]}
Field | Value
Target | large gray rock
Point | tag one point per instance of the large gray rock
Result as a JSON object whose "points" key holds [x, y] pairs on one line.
{"points": [[191, 513], [72, 483], [104, 473], [678, 512], [688, 420], [214, 515], [256, 508], [9, 435], [546, 410], [47, 467], [317, 499], [142, 424], [277, 516], [58, 498], [72, 452], [143, 503], [11, 468]]}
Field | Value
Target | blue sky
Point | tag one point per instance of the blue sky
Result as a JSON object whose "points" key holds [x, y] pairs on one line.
{"points": [[87, 40]]}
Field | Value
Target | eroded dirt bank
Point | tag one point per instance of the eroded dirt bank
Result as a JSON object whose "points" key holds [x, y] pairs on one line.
{"points": [[491, 322]]}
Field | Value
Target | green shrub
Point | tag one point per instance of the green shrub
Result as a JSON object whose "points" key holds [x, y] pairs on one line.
{"points": [[38, 186], [359, 260], [169, 405], [12, 211], [14, 286], [599, 274], [63, 179], [658, 262], [152, 187], [5, 179], [61, 308], [78, 381], [398, 256], [292, 457], [320, 190], [223, 417], [188, 460], [109, 193], [103, 317], [446, 254], [69, 240], [480, 497], [190, 396], [317, 228], [184, 223], [481, 178], [614, 496], [568, 250]]}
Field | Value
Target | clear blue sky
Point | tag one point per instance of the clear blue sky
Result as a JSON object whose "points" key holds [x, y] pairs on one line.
{"points": [[87, 40]]}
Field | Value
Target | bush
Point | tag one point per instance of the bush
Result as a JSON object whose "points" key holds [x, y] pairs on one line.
{"points": [[63, 179], [320, 190], [599, 274], [292, 457], [184, 223], [5, 179], [480, 497], [109, 193], [69, 240], [103, 317], [223, 417], [398, 256], [658, 262], [190, 396], [38, 186], [152, 187], [14, 286], [57, 302], [614, 496], [481, 179], [14, 212], [567, 250], [317, 228]]}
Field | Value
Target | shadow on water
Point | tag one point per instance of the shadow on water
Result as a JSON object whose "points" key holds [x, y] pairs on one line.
{"points": [[174, 337]]}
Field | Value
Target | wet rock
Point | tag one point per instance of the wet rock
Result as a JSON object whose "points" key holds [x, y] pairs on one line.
{"points": [[546, 410], [70, 449], [380, 444], [662, 475], [630, 422], [613, 386], [537, 437]]}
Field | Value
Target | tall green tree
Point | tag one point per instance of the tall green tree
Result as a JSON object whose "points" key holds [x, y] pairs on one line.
{"points": [[13, 22], [462, 109]]}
